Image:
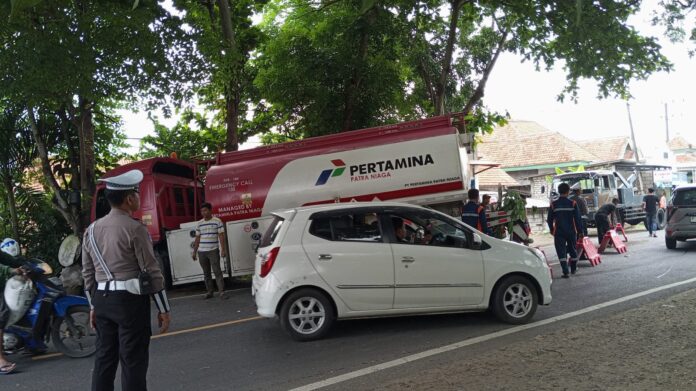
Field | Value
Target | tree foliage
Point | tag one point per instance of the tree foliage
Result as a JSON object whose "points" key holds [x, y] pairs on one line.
{"points": [[71, 63], [193, 136]]}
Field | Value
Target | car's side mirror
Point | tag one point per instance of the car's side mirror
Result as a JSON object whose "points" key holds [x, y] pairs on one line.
{"points": [[476, 242]]}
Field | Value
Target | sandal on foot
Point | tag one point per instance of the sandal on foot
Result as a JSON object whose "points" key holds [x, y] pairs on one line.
{"points": [[7, 368]]}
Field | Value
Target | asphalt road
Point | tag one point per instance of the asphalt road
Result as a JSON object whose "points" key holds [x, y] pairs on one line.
{"points": [[223, 345]]}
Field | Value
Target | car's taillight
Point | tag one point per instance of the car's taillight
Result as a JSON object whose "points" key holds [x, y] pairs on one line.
{"points": [[267, 261]]}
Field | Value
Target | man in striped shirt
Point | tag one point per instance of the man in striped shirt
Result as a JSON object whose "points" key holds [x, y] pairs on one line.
{"points": [[208, 247]]}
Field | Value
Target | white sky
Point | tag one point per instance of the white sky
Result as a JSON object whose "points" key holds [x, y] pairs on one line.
{"points": [[526, 94]]}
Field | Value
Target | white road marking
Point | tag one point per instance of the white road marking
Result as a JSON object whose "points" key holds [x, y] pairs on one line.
{"points": [[668, 270], [483, 338]]}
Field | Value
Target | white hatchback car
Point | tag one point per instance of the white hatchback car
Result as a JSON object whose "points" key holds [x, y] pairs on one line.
{"points": [[318, 264]]}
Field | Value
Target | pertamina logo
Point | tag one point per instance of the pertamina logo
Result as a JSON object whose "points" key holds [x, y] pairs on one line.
{"points": [[332, 172]]}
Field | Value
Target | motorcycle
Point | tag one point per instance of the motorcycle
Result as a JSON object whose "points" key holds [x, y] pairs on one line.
{"points": [[52, 316]]}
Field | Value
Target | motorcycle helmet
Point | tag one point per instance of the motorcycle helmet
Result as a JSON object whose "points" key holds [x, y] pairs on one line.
{"points": [[10, 246]]}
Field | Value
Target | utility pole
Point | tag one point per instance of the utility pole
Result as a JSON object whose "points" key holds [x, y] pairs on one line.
{"points": [[635, 146], [666, 123]]}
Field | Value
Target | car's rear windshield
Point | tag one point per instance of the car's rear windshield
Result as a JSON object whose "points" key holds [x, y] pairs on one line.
{"points": [[684, 197], [272, 231]]}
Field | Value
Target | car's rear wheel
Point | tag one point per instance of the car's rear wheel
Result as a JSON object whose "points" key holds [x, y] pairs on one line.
{"points": [[307, 314], [671, 243], [515, 300]]}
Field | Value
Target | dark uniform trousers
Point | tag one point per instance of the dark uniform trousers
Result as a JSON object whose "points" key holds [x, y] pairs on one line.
{"points": [[602, 223], [123, 331]]}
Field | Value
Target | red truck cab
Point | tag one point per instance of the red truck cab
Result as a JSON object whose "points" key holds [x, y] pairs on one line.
{"points": [[167, 195]]}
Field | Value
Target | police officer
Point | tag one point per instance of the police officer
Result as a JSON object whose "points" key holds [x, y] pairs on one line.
{"points": [[474, 214], [115, 250], [565, 224]]}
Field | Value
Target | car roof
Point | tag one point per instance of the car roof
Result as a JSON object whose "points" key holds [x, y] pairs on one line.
{"points": [[685, 187], [345, 205]]}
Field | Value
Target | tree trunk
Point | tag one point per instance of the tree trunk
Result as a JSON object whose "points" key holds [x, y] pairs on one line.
{"points": [[353, 87], [441, 85], [478, 93], [59, 201], [87, 161], [232, 117], [232, 93], [12, 204]]}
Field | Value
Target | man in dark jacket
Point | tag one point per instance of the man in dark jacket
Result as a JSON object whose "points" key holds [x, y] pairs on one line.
{"points": [[603, 216], [582, 205], [474, 214], [566, 225]]}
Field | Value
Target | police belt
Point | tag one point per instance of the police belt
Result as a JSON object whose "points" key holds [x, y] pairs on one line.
{"points": [[112, 286]]}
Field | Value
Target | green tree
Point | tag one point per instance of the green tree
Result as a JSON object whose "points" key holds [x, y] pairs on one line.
{"points": [[330, 67], [226, 39], [17, 154], [340, 65], [673, 15], [72, 61], [193, 136]]}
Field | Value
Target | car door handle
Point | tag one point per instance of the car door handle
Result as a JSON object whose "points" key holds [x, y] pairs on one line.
{"points": [[325, 257], [408, 260]]}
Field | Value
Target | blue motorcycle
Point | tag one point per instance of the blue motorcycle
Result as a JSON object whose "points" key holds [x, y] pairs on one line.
{"points": [[52, 316]]}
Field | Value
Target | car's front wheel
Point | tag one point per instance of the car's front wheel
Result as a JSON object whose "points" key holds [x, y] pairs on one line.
{"points": [[515, 300], [307, 314], [671, 243]]}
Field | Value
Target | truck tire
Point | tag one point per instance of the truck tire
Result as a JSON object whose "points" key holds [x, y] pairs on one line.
{"points": [[661, 219]]}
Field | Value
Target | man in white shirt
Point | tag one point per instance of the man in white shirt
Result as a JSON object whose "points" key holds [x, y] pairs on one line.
{"points": [[208, 247]]}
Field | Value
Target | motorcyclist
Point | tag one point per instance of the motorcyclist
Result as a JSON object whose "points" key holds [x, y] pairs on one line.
{"points": [[10, 249]]}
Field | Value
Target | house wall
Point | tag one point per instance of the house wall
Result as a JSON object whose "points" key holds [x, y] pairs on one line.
{"points": [[537, 219], [536, 183]]}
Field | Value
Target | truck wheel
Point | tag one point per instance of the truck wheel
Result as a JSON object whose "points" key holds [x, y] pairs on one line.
{"points": [[671, 243], [661, 219], [307, 314], [515, 300]]}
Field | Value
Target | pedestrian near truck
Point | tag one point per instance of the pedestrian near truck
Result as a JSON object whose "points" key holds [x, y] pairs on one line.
{"points": [[650, 203], [208, 248], [565, 224]]}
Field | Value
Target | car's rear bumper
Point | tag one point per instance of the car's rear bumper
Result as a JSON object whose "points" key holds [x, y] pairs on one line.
{"points": [[266, 294], [681, 232]]}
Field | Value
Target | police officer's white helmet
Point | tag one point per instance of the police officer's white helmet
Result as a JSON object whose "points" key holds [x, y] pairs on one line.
{"points": [[10, 246]]}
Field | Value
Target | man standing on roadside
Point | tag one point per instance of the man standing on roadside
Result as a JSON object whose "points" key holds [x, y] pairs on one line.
{"points": [[566, 226], [582, 205], [209, 247], [650, 202]]}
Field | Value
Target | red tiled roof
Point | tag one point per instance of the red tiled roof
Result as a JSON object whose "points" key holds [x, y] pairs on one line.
{"points": [[686, 159], [609, 148], [495, 176], [526, 143], [680, 142]]}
